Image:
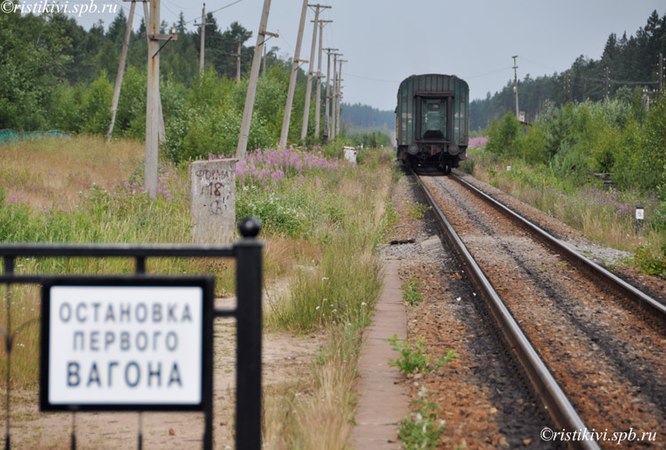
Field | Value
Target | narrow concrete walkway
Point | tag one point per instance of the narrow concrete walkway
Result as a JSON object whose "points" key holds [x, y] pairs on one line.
{"points": [[383, 403]]}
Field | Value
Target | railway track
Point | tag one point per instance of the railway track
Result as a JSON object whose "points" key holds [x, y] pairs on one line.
{"points": [[594, 362]]}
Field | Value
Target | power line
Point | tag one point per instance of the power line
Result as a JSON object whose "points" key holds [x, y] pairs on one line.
{"points": [[214, 11]]}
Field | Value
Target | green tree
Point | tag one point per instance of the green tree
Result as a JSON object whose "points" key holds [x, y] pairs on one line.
{"points": [[503, 136]]}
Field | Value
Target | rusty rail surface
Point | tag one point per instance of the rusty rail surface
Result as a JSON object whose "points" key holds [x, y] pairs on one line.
{"points": [[642, 300], [555, 401]]}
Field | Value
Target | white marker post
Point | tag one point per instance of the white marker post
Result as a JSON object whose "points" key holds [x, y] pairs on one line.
{"points": [[213, 201], [640, 217]]}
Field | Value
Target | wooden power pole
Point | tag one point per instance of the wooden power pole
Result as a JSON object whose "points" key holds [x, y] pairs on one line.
{"points": [[661, 72], [121, 70], [152, 101], [515, 85], [322, 23], [202, 39], [154, 119], [308, 87], [238, 61], [334, 96], [327, 105], [252, 83], [286, 120], [339, 97]]}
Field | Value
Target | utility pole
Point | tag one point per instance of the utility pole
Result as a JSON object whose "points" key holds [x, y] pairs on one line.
{"points": [[154, 120], [334, 114], [340, 79], [322, 23], [121, 70], [252, 83], [161, 133], [238, 61], [202, 38], [515, 85], [327, 106], [661, 72], [292, 79], [606, 82], [152, 101], [308, 87]]}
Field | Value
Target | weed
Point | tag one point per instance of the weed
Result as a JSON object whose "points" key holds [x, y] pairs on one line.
{"points": [[422, 429], [648, 263], [410, 292], [468, 166], [413, 357], [418, 210]]}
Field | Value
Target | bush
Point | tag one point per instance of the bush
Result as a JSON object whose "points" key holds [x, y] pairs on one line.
{"points": [[651, 161], [97, 105], [503, 136]]}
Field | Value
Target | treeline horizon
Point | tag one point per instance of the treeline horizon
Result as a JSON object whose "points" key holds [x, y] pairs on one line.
{"points": [[626, 67], [59, 76], [40, 52]]}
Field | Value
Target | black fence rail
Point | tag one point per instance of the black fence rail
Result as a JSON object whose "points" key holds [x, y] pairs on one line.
{"points": [[248, 253]]}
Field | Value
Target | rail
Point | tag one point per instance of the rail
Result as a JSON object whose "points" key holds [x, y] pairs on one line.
{"points": [[543, 383], [643, 300]]}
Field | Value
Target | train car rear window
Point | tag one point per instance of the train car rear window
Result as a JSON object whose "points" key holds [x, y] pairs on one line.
{"points": [[434, 119]]}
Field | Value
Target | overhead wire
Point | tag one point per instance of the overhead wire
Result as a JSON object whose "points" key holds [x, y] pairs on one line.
{"points": [[214, 11]]}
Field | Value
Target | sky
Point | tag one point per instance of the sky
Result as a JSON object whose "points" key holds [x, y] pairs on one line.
{"points": [[386, 41]]}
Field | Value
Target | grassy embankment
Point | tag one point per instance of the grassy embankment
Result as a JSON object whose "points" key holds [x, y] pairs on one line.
{"points": [[554, 161], [322, 222], [605, 216]]}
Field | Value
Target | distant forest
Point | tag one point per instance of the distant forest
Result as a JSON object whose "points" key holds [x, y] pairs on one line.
{"points": [[38, 53], [56, 75], [358, 117], [628, 68]]}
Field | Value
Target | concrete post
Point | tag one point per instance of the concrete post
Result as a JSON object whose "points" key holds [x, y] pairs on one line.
{"points": [[286, 120], [213, 201], [152, 101], [252, 83], [202, 39], [121, 70]]}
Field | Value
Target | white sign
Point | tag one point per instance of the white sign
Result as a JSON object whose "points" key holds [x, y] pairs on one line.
{"points": [[640, 214], [125, 345]]}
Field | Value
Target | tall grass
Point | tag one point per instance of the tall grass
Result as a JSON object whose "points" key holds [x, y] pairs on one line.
{"points": [[569, 144], [604, 215], [336, 295], [52, 173], [322, 226], [84, 190], [318, 412]]}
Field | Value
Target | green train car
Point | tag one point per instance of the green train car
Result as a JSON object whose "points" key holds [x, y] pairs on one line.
{"points": [[432, 121]]}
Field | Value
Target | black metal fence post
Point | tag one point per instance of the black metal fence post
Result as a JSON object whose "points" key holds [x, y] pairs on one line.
{"points": [[249, 335], [248, 253], [8, 270]]}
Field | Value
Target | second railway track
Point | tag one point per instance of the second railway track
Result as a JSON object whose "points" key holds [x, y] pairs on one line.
{"points": [[607, 359]]}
